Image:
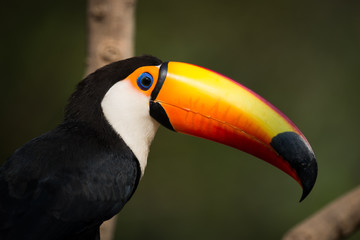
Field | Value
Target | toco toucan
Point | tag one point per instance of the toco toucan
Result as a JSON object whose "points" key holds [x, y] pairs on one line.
{"points": [[66, 182]]}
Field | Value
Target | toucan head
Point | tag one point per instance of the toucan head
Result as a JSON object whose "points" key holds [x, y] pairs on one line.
{"points": [[136, 95]]}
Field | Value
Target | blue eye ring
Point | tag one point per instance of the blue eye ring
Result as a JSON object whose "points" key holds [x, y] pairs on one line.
{"points": [[144, 81]]}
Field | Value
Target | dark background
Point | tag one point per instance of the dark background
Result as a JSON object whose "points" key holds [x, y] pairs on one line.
{"points": [[303, 56]]}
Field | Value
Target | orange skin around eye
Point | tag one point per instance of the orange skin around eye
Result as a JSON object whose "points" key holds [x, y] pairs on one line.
{"points": [[152, 70]]}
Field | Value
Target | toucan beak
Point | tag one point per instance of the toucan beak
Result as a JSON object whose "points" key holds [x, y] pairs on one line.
{"points": [[197, 101]]}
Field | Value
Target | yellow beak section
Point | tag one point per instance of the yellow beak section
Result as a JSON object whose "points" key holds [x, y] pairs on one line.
{"points": [[197, 101]]}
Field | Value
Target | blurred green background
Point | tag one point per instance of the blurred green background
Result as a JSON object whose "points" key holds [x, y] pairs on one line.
{"points": [[303, 56]]}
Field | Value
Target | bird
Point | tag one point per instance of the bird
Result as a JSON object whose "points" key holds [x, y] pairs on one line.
{"points": [[65, 183]]}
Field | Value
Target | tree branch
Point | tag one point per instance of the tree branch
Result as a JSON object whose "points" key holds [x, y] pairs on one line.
{"points": [[337, 220], [110, 38], [110, 31]]}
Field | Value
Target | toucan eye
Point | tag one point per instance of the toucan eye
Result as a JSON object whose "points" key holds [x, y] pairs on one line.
{"points": [[145, 81]]}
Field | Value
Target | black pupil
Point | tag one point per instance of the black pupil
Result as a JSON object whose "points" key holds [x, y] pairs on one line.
{"points": [[146, 81]]}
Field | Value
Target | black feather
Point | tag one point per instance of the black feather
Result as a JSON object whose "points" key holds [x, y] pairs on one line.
{"points": [[65, 183]]}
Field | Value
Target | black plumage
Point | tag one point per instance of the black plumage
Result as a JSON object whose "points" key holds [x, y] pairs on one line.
{"points": [[66, 182]]}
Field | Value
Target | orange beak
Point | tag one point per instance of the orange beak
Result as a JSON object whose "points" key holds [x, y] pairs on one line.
{"points": [[197, 101]]}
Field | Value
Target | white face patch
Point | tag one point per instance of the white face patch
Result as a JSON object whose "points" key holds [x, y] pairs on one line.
{"points": [[127, 111]]}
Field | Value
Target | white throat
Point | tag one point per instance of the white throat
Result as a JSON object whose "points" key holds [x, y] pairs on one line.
{"points": [[127, 111]]}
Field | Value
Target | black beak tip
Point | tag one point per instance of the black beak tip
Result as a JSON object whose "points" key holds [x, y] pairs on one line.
{"points": [[293, 148], [308, 177]]}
